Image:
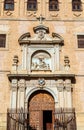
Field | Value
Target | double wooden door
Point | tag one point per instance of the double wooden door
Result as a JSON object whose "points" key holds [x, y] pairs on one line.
{"points": [[41, 107]]}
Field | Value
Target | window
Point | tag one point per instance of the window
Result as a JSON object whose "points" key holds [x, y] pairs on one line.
{"points": [[9, 5], [76, 5], [2, 40], [32, 5], [53, 5], [80, 41]]}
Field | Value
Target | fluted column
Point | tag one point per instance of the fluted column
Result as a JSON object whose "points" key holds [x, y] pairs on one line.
{"points": [[21, 93], [68, 87], [60, 89], [14, 86]]}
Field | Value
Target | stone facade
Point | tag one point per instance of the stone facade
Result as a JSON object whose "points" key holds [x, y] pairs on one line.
{"points": [[41, 56]]}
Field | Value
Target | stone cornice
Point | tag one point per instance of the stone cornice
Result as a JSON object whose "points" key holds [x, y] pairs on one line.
{"points": [[41, 42], [29, 76]]}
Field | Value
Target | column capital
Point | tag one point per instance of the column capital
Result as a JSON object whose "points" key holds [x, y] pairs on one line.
{"points": [[60, 83], [68, 84], [14, 84], [60, 89], [21, 84], [68, 89]]}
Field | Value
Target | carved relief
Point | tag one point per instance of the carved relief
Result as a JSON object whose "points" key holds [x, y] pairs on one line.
{"points": [[41, 34], [8, 13], [41, 61], [53, 15], [32, 14]]}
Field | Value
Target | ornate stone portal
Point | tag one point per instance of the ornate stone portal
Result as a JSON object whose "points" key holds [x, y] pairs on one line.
{"points": [[40, 74]]}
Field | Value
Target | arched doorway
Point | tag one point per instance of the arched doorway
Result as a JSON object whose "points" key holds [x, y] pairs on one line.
{"points": [[41, 107]]}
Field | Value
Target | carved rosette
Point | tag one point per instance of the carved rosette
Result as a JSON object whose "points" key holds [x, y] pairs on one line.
{"points": [[41, 82]]}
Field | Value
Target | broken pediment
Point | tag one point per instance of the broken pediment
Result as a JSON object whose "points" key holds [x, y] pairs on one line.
{"points": [[41, 35], [24, 38]]}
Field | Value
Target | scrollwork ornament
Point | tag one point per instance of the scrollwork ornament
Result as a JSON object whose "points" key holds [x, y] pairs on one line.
{"points": [[8, 13]]}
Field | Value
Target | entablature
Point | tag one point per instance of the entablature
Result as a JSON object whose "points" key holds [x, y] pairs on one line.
{"points": [[48, 76]]}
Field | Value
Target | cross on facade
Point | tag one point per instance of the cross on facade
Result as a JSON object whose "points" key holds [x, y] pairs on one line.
{"points": [[40, 18]]}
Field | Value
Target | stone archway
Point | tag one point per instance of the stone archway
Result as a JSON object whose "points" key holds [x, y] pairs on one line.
{"points": [[41, 106]]}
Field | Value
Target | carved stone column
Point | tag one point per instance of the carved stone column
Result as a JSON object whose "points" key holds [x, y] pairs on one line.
{"points": [[60, 88], [21, 93], [68, 87], [14, 85]]}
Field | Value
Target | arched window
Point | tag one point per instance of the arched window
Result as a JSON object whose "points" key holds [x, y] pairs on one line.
{"points": [[9, 5], [53, 5], [32, 5], [76, 5]]}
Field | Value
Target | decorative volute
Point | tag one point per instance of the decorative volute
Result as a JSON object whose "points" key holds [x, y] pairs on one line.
{"points": [[41, 36]]}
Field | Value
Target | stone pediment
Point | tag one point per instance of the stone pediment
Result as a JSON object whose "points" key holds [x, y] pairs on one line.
{"points": [[41, 35]]}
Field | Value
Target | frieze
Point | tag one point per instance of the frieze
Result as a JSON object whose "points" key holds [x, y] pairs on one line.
{"points": [[32, 83]]}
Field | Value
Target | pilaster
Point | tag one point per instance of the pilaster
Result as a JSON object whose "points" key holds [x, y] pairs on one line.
{"points": [[21, 93], [60, 88], [14, 86], [68, 87]]}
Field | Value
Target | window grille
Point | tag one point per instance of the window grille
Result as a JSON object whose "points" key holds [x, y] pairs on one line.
{"points": [[76, 5], [9, 5]]}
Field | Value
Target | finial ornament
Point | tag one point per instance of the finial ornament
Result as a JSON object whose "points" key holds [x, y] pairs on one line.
{"points": [[41, 18]]}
